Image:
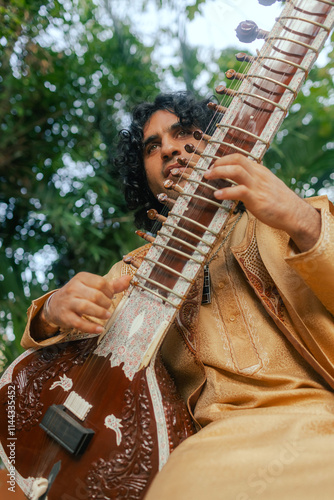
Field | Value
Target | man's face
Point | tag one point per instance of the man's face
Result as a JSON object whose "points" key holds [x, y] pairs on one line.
{"points": [[164, 141]]}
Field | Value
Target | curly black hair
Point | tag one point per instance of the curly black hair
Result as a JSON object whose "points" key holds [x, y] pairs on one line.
{"points": [[129, 161]]}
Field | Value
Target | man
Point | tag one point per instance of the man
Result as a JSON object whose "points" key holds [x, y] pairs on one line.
{"points": [[257, 364]]}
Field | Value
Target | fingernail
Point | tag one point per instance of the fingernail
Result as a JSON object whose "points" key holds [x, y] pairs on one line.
{"points": [[108, 314], [99, 329]]}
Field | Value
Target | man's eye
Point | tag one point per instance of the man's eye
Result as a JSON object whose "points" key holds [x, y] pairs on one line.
{"points": [[151, 148], [183, 133]]}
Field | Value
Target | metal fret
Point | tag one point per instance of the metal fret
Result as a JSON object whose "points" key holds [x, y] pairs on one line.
{"points": [[291, 40], [200, 169], [214, 157], [185, 243], [232, 146], [263, 99], [170, 269], [198, 224], [202, 198], [159, 285], [200, 183], [143, 287], [257, 137], [272, 80], [188, 232], [183, 254], [303, 19], [284, 61]]}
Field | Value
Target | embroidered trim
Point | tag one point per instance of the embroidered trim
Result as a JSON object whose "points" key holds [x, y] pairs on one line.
{"points": [[187, 319], [260, 279]]}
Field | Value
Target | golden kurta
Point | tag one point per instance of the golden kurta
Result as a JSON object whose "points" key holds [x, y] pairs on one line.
{"points": [[268, 415], [257, 370]]}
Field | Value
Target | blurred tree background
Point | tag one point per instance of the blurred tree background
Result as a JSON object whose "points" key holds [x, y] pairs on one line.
{"points": [[70, 71]]}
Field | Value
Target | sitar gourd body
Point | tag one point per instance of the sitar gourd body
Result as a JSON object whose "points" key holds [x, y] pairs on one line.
{"points": [[122, 454]]}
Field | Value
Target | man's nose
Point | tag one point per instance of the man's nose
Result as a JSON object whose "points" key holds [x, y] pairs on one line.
{"points": [[169, 148]]}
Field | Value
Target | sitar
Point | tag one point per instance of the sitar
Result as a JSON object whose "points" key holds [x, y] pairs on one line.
{"points": [[97, 417]]}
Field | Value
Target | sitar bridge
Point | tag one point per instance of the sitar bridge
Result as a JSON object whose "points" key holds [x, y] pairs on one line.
{"points": [[77, 405]]}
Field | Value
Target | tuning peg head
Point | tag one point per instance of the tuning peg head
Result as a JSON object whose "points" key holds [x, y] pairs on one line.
{"points": [[169, 184], [222, 89], [145, 236], [163, 198], [248, 31], [216, 107], [153, 214], [190, 148], [130, 260], [242, 56]]}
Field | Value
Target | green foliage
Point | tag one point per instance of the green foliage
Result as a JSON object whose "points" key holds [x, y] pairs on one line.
{"points": [[61, 206], [193, 9]]}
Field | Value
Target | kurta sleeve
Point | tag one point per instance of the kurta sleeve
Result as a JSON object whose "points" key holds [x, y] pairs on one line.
{"points": [[316, 266], [28, 340], [305, 284]]}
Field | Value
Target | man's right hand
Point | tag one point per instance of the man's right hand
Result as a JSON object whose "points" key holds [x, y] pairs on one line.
{"points": [[85, 294]]}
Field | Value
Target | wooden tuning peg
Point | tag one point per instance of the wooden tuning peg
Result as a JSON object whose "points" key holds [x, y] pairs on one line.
{"points": [[153, 214], [216, 107], [231, 74], [242, 56], [179, 172], [222, 89], [129, 259], [198, 135], [190, 148], [163, 198], [184, 162], [248, 31], [145, 236], [169, 184]]}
